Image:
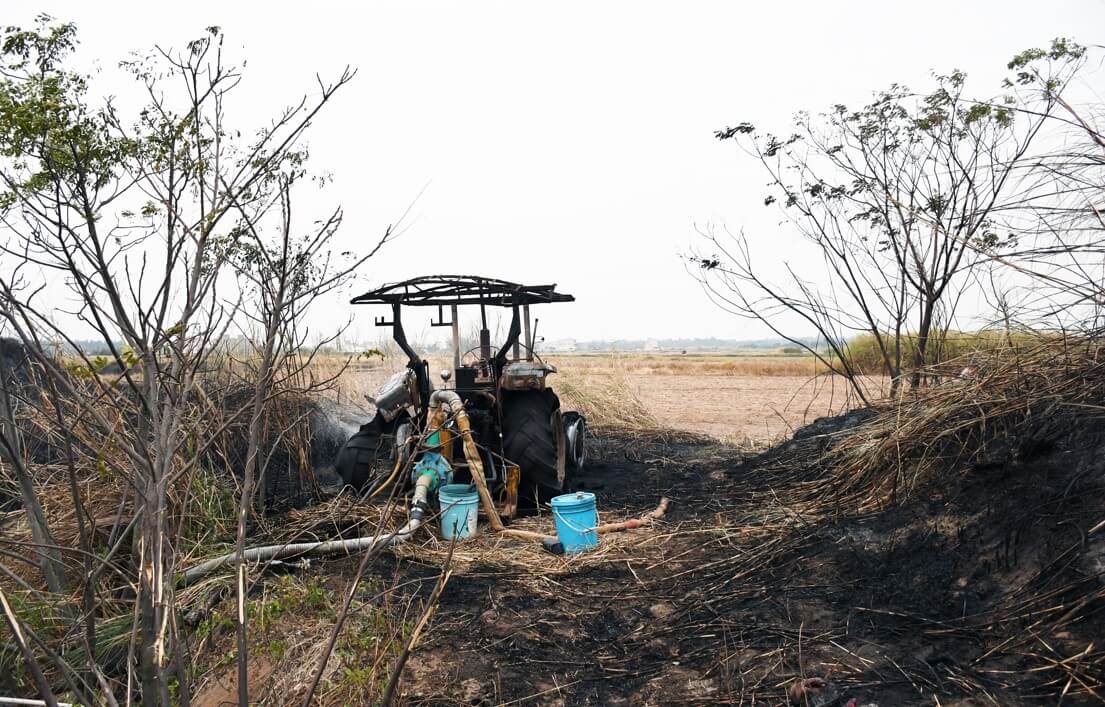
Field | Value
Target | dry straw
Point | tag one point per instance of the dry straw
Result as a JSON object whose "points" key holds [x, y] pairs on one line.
{"points": [[969, 406]]}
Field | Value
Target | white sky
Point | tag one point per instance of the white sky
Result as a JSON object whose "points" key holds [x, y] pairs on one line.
{"points": [[569, 142]]}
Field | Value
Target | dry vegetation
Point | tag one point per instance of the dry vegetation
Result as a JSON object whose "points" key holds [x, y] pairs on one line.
{"points": [[741, 363], [959, 507]]}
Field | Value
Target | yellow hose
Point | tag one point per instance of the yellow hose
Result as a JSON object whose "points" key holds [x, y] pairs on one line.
{"points": [[475, 466]]}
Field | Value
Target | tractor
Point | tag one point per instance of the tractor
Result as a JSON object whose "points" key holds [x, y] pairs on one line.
{"points": [[528, 447]]}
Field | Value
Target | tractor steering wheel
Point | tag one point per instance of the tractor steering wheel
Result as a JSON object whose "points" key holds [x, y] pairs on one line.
{"points": [[474, 353]]}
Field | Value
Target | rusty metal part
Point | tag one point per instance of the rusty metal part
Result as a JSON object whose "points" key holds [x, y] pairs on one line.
{"points": [[526, 375], [436, 421], [433, 290], [397, 394], [641, 522], [449, 398], [510, 491]]}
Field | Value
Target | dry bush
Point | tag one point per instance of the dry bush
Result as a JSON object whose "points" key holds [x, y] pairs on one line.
{"points": [[605, 397], [1007, 397]]}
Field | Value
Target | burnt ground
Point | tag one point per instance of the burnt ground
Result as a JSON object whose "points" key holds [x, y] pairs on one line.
{"points": [[986, 588], [984, 591]]}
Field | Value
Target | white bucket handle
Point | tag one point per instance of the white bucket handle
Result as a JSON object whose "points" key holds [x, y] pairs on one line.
{"points": [[581, 531]]}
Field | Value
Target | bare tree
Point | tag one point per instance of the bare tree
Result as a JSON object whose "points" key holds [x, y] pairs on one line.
{"points": [[1062, 233], [282, 275], [899, 200], [125, 231]]}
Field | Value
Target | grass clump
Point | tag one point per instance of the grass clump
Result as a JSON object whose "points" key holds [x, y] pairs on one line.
{"points": [[603, 394], [290, 619], [1007, 396], [951, 349]]}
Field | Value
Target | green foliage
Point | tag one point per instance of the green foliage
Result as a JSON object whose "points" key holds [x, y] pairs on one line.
{"points": [[900, 127], [47, 127], [210, 521], [289, 596], [212, 626], [49, 617], [96, 365], [369, 644], [955, 348], [276, 648], [1025, 64]]}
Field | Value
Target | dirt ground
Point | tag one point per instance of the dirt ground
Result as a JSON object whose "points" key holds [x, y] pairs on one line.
{"points": [[984, 589], [747, 586], [739, 408], [754, 581]]}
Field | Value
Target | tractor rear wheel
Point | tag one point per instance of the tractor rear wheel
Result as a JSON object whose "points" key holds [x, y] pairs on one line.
{"points": [[369, 455], [533, 438]]}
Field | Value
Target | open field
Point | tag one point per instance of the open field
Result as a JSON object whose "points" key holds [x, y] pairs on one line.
{"points": [[742, 398]]}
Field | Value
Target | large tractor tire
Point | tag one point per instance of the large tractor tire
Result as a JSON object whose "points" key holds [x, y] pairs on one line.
{"points": [[369, 455], [533, 438]]}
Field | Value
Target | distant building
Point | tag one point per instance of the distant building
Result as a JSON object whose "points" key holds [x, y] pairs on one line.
{"points": [[651, 345], [561, 345]]}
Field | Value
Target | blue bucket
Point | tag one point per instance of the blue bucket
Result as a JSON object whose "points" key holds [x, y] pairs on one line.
{"points": [[460, 506], [576, 518]]}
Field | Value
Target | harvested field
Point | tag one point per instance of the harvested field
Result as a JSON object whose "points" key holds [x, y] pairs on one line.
{"points": [[738, 408], [746, 399]]}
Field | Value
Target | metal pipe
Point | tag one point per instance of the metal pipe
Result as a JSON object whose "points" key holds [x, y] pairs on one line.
{"points": [[329, 547], [511, 337], [456, 337], [529, 341], [485, 334], [439, 399]]}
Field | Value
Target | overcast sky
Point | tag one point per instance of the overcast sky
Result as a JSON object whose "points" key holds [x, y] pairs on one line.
{"points": [[568, 142]]}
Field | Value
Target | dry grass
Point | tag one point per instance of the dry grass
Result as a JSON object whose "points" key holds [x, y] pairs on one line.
{"points": [[670, 364], [291, 615], [348, 517], [943, 426], [602, 392]]}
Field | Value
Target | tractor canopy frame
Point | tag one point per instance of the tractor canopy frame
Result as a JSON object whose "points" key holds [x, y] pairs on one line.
{"points": [[454, 290]]}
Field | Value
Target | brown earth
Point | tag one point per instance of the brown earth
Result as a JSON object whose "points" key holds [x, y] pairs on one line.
{"points": [[959, 596], [739, 408], [984, 588]]}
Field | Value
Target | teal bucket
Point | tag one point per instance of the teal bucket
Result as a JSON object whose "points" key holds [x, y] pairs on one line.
{"points": [[460, 506], [576, 518]]}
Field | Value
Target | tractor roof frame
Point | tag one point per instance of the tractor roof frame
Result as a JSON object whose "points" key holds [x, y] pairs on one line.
{"points": [[454, 290], [437, 290]]}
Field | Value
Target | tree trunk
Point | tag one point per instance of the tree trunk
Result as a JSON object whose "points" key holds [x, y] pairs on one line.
{"points": [[923, 332]]}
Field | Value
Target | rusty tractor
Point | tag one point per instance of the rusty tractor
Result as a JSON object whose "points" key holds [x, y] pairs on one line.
{"points": [[528, 447]]}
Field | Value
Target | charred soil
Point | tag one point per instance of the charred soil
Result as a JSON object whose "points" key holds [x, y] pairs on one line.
{"points": [[984, 588]]}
